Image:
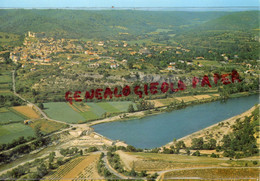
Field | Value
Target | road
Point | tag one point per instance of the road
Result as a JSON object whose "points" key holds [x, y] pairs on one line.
{"points": [[34, 105], [119, 175], [41, 112], [107, 165]]}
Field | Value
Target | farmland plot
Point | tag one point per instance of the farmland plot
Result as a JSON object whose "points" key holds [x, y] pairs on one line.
{"points": [[63, 112], [13, 131]]}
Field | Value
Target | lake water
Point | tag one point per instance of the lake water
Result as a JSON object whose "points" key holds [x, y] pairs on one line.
{"points": [[158, 130]]}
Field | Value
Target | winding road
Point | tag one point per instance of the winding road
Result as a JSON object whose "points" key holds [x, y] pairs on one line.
{"points": [[119, 175], [36, 107]]}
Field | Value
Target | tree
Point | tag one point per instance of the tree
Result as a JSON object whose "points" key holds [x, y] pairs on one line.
{"points": [[212, 144], [52, 156], [197, 143], [188, 151], [144, 105], [130, 108], [81, 152], [37, 131], [42, 170], [196, 153], [143, 173], [40, 105], [130, 65], [133, 172], [180, 144]]}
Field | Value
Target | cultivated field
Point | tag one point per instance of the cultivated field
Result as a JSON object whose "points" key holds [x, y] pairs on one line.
{"points": [[165, 102], [47, 126], [5, 92], [13, 131], [8, 116], [157, 162], [27, 111], [216, 173], [92, 111], [63, 112], [5, 82], [83, 167]]}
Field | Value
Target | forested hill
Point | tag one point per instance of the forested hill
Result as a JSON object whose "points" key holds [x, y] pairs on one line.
{"points": [[98, 24], [247, 20]]}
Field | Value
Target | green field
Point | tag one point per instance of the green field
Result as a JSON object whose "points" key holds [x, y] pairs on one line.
{"points": [[13, 131], [207, 63], [9, 116], [62, 112], [5, 81], [5, 78], [5, 92], [96, 110]]}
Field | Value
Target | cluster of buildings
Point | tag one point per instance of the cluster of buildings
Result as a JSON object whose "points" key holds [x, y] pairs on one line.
{"points": [[39, 49]]}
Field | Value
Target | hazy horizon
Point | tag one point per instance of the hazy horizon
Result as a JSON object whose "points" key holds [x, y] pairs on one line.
{"points": [[234, 8]]}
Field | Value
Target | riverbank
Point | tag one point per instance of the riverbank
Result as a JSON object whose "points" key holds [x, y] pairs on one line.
{"points": [[159, 108], [155, 131], [214, 131]]}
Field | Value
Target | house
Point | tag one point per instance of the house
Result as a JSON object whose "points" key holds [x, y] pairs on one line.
{"points": [[101, 43], [94, 65], [249, 71], [14, 57], [181, 61], [171, 67], [33, 69], [144, 51], [172, 63], [249, 65], [199, 58], [113, 65], [133, 53], [124, 61], [226, 58], [69, 57], [47, 60], [27, 121]]}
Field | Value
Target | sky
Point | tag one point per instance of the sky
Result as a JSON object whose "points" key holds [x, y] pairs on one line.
{"points": [[124, 3]]}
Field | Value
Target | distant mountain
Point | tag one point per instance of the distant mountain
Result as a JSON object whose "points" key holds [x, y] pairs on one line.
{"points": [[98, 24]]}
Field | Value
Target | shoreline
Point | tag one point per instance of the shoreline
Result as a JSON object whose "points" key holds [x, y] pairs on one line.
{"points": [[161, 109], [141, 114], [201, 132]]}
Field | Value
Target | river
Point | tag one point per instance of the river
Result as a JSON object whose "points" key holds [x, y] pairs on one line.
{"points": [[158, 130]]}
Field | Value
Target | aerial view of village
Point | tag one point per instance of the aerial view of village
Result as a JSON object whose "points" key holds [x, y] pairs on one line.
{"points": [[140, 94]]}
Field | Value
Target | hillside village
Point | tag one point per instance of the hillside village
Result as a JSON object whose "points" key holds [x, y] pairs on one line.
{"points": [[38, 49]]}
